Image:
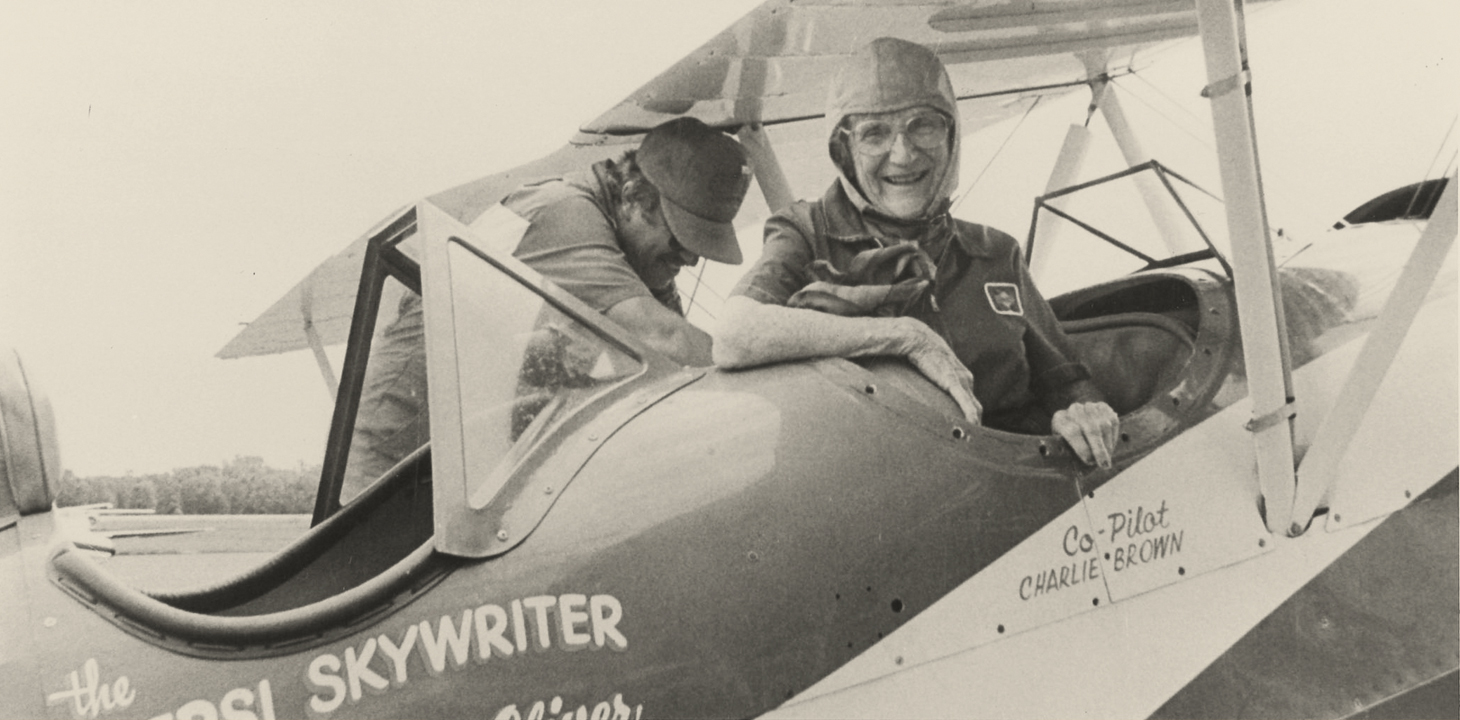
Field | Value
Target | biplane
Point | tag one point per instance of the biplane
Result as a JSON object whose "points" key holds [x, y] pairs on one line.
{"points": [[595, 532]]}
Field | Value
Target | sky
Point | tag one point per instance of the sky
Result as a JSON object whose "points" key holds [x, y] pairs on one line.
{"points": [[172, 168], [169, 169]]}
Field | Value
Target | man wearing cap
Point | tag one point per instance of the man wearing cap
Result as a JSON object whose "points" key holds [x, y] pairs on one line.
{"points": [[616, 234]]}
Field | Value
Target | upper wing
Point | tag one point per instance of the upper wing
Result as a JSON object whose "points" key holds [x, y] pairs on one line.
{"points": [[772, 67]]}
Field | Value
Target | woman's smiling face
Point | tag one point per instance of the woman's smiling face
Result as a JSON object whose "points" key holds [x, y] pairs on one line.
{"points": [[903, 179]]}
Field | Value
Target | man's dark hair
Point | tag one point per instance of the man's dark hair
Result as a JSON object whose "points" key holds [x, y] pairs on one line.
{"points": [[629, 187]]}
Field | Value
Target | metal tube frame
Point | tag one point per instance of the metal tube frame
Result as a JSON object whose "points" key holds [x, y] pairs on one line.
{"points": [[1319, 469], [381, 259], [1258, 307]]}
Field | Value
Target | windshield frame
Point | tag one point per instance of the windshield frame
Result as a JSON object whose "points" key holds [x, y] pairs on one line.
{"points": [[486, 511], [383, 259], [1164, 175]]}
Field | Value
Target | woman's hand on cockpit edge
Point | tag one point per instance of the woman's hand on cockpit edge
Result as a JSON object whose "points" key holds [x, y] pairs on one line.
{"points": [[1091, 429]]}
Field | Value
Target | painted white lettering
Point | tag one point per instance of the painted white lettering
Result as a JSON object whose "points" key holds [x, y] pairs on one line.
{"points": [[332, 679], [399, 654], [433, 645], [122, 693], [94, 696], [197, 710], [621, 709], [605, 614], [230, 706], [357, 670], [322, 677], [570, 618], [266, 700], [540, 604], [612, 709], [489, 635], [519, 631]]}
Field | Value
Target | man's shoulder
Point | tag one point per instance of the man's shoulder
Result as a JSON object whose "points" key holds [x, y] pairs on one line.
{"points": [[572, 194]]}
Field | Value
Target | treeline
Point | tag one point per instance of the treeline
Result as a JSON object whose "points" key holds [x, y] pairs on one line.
{"points": [[243, 486]]}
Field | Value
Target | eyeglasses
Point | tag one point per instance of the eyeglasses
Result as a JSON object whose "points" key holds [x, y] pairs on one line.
{"points": [[925, 130]]}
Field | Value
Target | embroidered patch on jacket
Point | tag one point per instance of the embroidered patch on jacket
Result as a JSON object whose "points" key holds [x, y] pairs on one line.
{"points": [[1004, 298]]}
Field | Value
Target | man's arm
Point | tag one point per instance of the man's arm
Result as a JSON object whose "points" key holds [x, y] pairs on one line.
{"points": [[662, 330], [751, 333]]}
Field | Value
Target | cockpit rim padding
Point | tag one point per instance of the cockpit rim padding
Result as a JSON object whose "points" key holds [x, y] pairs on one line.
{"points": [[1126, 319], [89, 582], [298, 554]]}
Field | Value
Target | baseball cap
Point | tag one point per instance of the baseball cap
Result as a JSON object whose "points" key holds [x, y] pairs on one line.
{"points": [[702, 175]]}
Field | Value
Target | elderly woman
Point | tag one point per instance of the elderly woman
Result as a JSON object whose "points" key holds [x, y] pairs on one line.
{"points": [[877, 266]]}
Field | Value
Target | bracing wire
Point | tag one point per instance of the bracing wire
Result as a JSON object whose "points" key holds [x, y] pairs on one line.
{"points": [[707, 287], [1440, 149], [695, 291], [1429, 169], [996, 154], [1196, 120]]}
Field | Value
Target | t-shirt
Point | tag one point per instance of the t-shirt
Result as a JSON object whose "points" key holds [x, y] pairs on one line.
{"points": [[572, 240]]}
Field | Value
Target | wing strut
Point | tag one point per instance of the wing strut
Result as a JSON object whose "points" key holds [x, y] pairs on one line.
{"points": [[1319, 471], [306, 309], [1066, 171], [1268, 376], [1149, 186], [768, 172]]}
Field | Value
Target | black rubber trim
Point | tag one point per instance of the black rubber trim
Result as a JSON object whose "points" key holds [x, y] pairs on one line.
{"points": [[254, 636], [305, 549], [181, 621]]}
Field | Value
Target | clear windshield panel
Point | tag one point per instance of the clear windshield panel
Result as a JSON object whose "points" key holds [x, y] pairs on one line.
{"points": [[523, 365], [1139, 211], [393, 419]]}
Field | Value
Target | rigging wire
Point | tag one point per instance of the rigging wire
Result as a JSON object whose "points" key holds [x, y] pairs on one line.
{"points": [[996, 154], [710, 288], [1446, 141], [699, 280], [1156, 51], [1419, 188], [1195, 119]]}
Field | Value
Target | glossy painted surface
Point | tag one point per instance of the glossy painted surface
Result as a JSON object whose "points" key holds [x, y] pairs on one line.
{"points": [[736, 543], [1377, 622]]}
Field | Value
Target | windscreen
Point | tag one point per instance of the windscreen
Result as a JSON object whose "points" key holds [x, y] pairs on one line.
{"points": [[523, 364], [1155, 217]]}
